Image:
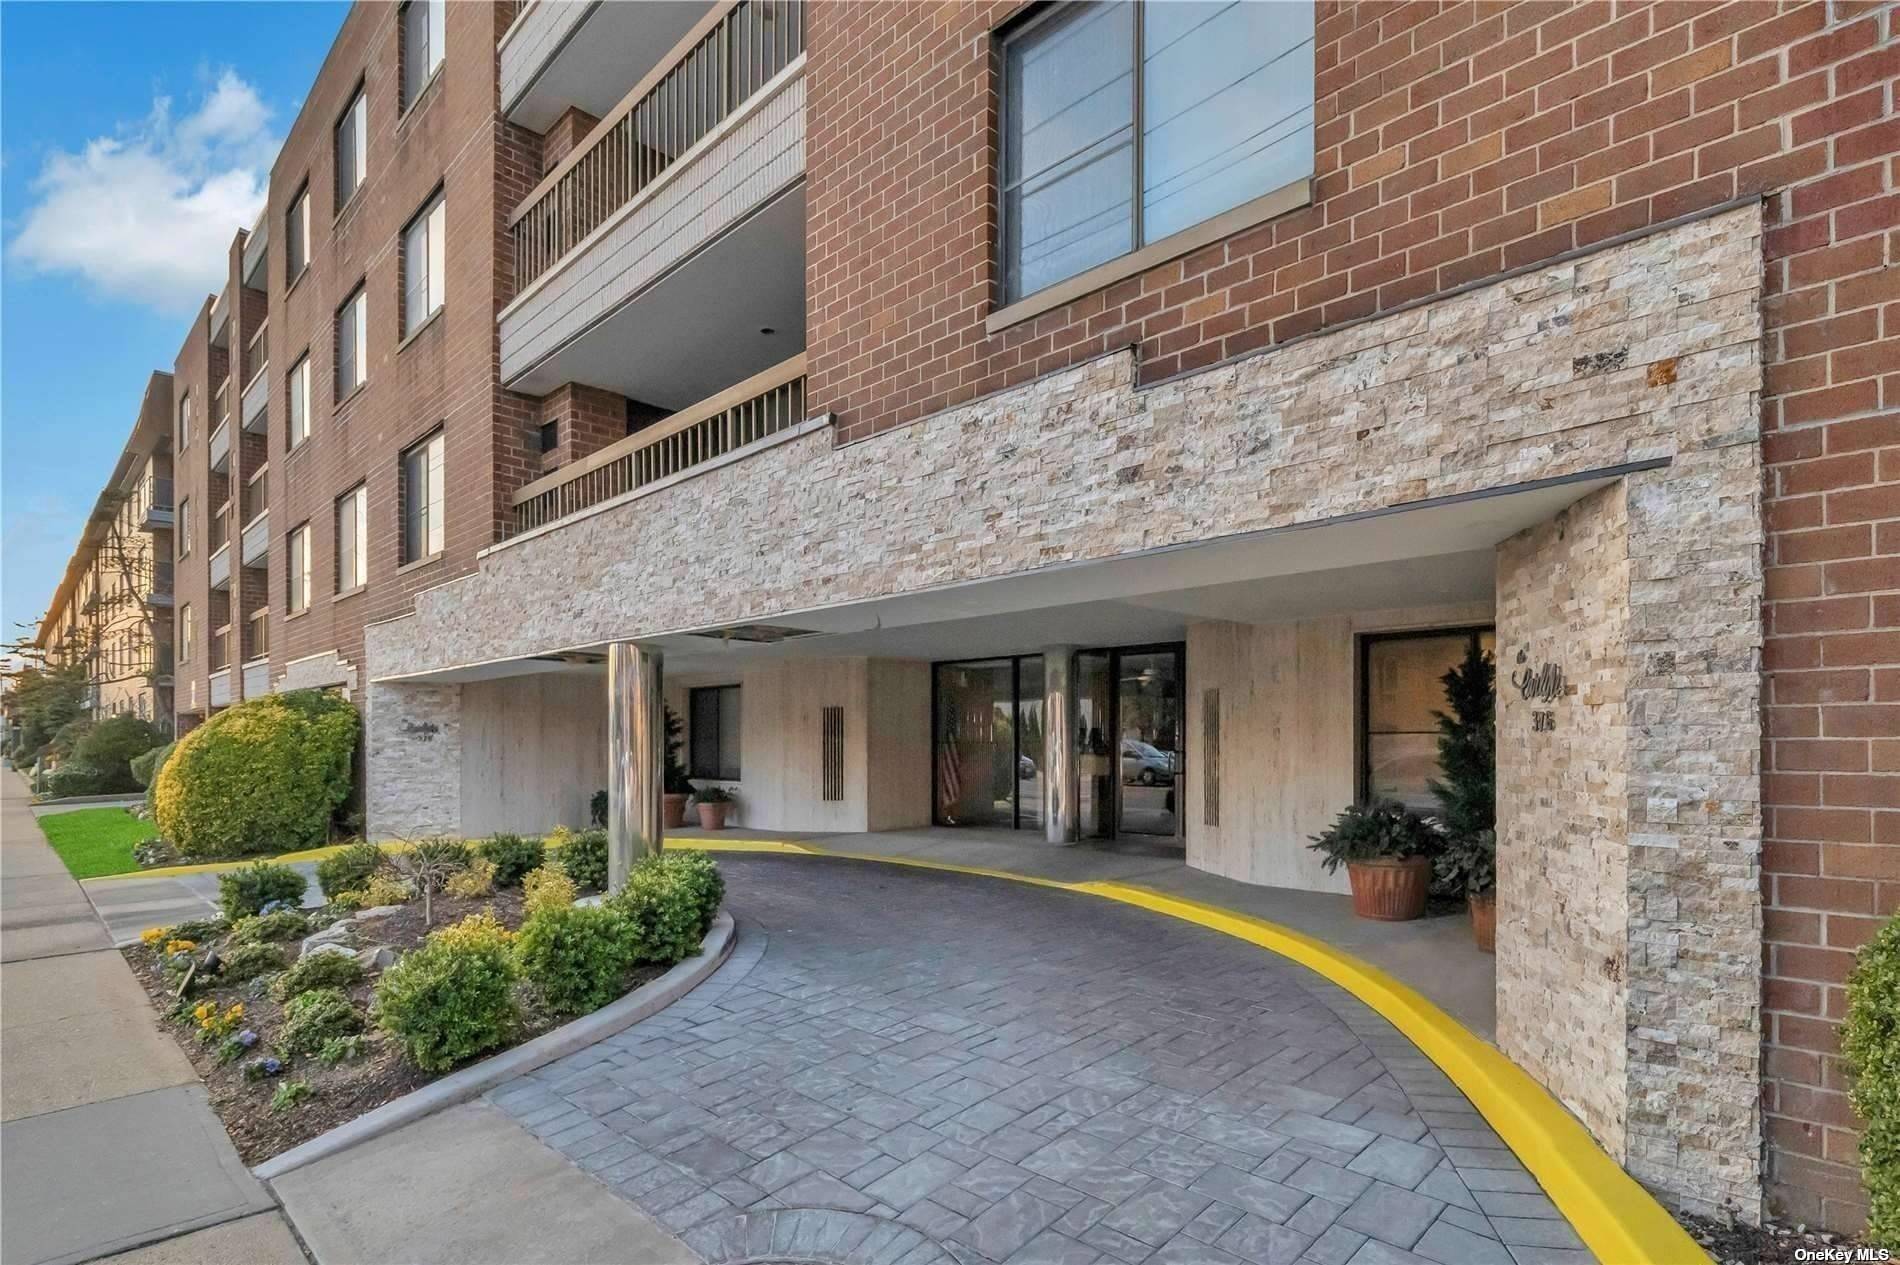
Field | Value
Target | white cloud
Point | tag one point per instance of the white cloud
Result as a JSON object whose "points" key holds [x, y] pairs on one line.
{"points": [[148, 214]]}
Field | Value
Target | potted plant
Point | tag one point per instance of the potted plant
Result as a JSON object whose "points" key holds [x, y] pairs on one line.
{"points": [[677, 787], [1469, 864], [1387, 850], [1467, 790], [712, 803]]}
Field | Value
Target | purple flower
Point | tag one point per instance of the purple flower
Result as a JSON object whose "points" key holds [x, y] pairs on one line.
{"points": [[273, 1066], [247, 1038]]}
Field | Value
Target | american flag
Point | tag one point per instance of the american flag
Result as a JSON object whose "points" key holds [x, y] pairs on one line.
{"points": [[949, 777]]}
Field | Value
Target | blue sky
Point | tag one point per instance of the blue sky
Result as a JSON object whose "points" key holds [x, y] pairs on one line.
{"points": [[135, 139]]}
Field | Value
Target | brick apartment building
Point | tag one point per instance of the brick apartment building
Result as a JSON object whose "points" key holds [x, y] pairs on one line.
{"points": [[112, 610], [941, 408]]}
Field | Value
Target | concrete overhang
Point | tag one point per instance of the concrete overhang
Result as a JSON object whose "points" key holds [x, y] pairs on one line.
{"points": [[1427, 553], [585, 53]]}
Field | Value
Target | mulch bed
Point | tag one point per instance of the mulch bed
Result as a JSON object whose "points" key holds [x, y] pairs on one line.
{"points": [[1770, 1243], [340, 1093]]}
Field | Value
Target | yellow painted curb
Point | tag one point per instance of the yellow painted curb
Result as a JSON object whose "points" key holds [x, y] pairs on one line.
{"points": [[1620, 1222], [210, 867]]}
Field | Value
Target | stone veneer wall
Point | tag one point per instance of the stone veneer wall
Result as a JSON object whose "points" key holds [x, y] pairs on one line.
{"points": [[412, 736], [1649, 350], [1563, 810]]}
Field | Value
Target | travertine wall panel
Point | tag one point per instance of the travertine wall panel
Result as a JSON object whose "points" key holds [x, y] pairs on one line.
{"points": [[412, 737]]}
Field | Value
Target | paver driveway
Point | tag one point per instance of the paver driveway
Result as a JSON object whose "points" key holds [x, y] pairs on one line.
{"points": [[902, 1065]]}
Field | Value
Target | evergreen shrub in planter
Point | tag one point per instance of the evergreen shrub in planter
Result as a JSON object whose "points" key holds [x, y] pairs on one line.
{"points": [[1387, 850]]}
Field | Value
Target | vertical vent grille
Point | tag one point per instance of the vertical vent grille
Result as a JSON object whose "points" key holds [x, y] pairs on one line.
{"points": [[834, 753], [1210, 757]]}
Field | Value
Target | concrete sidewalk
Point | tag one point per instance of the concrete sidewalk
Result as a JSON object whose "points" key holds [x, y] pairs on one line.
{"points": [[107, 1141]]}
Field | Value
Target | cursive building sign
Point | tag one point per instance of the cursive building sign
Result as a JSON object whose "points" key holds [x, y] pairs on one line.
{"points": [[1540, 683]]}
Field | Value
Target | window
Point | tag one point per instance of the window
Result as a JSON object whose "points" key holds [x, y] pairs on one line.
{"points": [[422, 263], [352, 538], [184, 421], [297, 234], [1126, 123], [422, 499], [550, 436], [715, 733], [297, 387], [1401, 685], [422, 23], [187, 632], [184, 526], [352, 344], [352, 149], [298, 595]]}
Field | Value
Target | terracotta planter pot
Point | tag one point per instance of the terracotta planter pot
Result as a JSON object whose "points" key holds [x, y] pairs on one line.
{"points": [[673, 809], [712, 816], [1390, 891], [1484, 921]]}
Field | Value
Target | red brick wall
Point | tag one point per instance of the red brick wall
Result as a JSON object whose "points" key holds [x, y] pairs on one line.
{"points": [[1456, 141]]}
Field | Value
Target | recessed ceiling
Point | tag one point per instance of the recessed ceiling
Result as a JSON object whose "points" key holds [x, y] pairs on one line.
{"points": [[604, 56]]}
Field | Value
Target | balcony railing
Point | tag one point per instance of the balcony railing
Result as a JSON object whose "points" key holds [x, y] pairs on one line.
{"points": [[739, 48], [152, 502], [754, 410]]}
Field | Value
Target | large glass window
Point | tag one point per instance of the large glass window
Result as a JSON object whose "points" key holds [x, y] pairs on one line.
{"points": [[422, 39], [713, 726], [298, 388], [352, 343], [1402, 688], [990, 747], [422, 509], [1125, 123], [184, 526], [423, 266], [352, 535], [297, 596], [352, 149], [184, 421]]}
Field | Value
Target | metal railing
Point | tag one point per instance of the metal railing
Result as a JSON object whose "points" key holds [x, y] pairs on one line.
{"points": [[152, 493], [755, 409], [735, 52]]}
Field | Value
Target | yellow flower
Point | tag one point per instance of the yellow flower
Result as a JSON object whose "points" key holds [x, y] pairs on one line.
{"points": [[236, 1011], [152, 935], [180, 946], [204, 1010]]}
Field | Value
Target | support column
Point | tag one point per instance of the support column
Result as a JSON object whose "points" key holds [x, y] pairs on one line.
{"points": [[1060, 811], [635, 757]]}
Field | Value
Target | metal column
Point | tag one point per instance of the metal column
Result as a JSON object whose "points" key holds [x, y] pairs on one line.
{"points": [[636, 756], [1060, 810]]}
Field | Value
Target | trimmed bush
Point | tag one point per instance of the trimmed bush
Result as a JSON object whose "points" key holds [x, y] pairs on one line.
{"points": [[110, 746], [386, 889], [514, 856], [700, 881], [1870, 1039], [285, 924], [578, 957], [264, 776], [248, 961], [145, 767], [473, 880], [584, 857], [314, 1017], [318, 970], [453, 998], [76, 777], [662, 913], [348, 870], [547, 888], [247, 890]]}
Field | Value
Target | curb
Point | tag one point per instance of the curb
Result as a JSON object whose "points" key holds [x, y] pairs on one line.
{"points": [[1615, 1216], [459, 1087]]}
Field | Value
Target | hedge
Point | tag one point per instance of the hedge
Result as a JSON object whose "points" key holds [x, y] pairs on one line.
{"points": [[265, 776], [1871, 1041]]}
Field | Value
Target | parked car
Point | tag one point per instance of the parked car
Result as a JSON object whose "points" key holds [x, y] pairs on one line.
{"points": [[1149, 766]]}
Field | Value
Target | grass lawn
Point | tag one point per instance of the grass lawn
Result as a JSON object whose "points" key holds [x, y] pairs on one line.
{"points": [[95, 841]]}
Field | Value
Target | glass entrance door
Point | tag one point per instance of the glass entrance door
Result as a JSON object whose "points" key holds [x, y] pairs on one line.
{"points": [[1148, 718], [989, 743]]}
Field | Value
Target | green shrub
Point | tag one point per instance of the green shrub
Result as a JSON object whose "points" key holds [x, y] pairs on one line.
{"points": [[110, 746], [75, 777], [314, 1017], [264, 776], [285, 924], [514, 856], [700, 880], [473, 881], [577, 957], [441, 852], [197, 930], [339, 1049], [348, 870], [584, 857], [248, 961], [289, 1094], [547, 888], [248, 890], [452, 998], [145, 767], [387, 889], [1870, 1039], [318, 970], [661, 911], [1375, 832]]}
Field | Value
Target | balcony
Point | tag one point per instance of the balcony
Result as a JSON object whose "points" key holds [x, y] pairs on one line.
{"points": [[156, 584], [221, 688], [561, 53], [221, 445], [728, 427], [152, 504], [254, 546], [221, 566], [256, 678], [256, 399], [690, 192]]}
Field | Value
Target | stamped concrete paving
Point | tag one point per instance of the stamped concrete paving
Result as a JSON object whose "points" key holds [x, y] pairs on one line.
{"points": [[906, 1066]]}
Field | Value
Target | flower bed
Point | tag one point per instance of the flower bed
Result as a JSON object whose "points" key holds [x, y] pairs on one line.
{"points": [[300, 1021]]}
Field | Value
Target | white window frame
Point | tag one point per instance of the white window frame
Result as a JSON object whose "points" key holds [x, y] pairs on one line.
{"points": [[187, 632], [432, 466], [352, 528], [297, 414], [359, 360], [297, 219], [435, 30], [184, 527], [424, 262], [184, 421], [354, 120], [297, 572]]}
